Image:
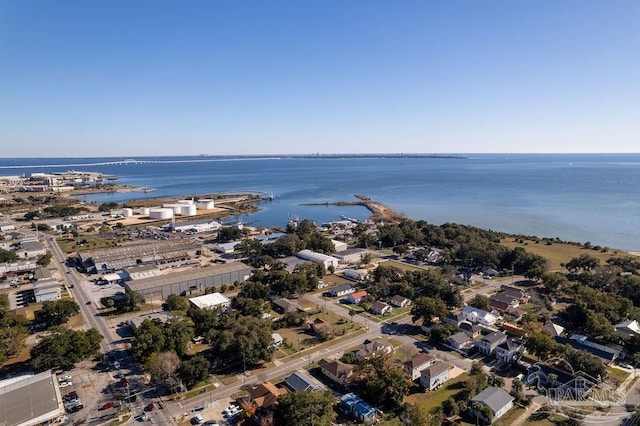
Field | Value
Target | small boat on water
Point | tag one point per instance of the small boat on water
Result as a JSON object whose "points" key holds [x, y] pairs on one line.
{"points": [[149, 190]]}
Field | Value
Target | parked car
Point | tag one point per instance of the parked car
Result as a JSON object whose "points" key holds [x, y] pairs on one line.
{"points": [[196, 420], [107, 406], [151, 406], [65, 384]]}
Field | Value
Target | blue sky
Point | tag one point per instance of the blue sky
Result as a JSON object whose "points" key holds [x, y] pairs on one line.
{"points": [[128, 78]]}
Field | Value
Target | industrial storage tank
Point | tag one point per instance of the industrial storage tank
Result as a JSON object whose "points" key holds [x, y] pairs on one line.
{"points": [[205, 204], [175, 207], [127, 212], [185, 202], [163, 213], [188, 210], [144, 211]]}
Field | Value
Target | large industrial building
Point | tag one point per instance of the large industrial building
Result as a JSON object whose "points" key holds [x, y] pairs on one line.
{"points": [[190, 282], [148, 252], [31, 400], [315, 257]]}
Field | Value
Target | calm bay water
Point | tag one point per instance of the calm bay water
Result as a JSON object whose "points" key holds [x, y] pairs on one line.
{"points": [[581, 198]]}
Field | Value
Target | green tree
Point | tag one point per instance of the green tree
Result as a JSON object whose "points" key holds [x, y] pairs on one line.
{"points": [[64, 347], [8, 256], [383, 382], [415, 415], [244, 336], [583, 262], [175, 303], [480, 301], [57, 312], [306, 408], [44, 259], [148, 338], [555, 282], [426, 308], [194, 370], [540, 344], [129, 302]]}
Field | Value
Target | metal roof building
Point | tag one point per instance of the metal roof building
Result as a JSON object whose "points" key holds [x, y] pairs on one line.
{"points": [[210, 301], [190, 281], [31, 400]]}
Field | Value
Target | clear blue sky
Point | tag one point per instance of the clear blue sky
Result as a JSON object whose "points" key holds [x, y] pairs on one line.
{"points": [[89, 78]]}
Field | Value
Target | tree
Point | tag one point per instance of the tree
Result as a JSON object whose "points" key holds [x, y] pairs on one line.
{"points": [[540, 344], [383, 382], [441, 332], [129, 302], [64, 347], [244, 336], [306, 408], [426, 308], [163, 366], [415, 415], [480, 301], [148, 338], [194, 370], [57, 312], [517, 389], [8, 256], [583, 262], [44, 259], [175, 303], [555, 282]]}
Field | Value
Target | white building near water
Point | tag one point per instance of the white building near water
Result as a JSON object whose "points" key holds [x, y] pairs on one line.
{"points": [[315, 257], [210, 301]]}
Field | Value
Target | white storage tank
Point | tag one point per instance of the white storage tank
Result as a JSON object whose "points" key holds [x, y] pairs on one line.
{"points": [[185, 202], [175, 207], [127, 212], [163, 213], [188, 210], [144, 211], [205, 204]]}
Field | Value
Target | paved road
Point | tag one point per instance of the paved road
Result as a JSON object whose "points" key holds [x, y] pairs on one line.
{"points": [[111, 344]]}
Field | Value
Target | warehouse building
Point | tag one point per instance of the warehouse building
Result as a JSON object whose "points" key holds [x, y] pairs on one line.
{"points": [[31, 400], [210, 301], [190, 282], [45, 290], [315, 257], [148, 252]]}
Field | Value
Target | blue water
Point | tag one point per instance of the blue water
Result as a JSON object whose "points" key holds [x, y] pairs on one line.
{"points": [[584, 197]]}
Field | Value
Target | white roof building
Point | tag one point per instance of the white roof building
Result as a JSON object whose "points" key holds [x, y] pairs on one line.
{"points": [[318, 258], [210, 301], [44, 290], [31, 400], [478, 316]]}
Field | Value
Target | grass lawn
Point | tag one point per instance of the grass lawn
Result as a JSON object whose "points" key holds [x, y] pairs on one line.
{"points": [[68, 245], [431, 401], [617, 375], [558, 253]]}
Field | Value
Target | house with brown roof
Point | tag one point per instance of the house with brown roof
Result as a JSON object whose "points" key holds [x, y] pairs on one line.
{"points": [[265, 394], [319, 326], [417, 363], [337, 371]]}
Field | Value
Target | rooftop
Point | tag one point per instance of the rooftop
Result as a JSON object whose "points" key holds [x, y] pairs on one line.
{"points": [[186, 275], [494, 398], [30, 400], [209, 301]]}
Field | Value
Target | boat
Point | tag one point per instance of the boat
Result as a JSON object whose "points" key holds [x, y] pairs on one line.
{"points": [[149, 190]]}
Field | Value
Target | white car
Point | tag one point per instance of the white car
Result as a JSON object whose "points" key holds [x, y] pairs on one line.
{"points": [[64, 379], [65, 384]]}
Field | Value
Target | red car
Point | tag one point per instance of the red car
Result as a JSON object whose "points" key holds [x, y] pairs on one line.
{"points": [[124, 383], [151, 406], [107, 406]]}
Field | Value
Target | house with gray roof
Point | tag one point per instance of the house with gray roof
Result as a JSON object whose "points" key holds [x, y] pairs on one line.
{"points": [[341, 290], [300, 382], [509, 350], [495, 399], [433, 377], [459, 342], [488, 344]]}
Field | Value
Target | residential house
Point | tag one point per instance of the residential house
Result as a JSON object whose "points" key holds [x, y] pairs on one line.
{"points": [[265, 394], [337, 371], [515, 292], [356, 407], [514, 314], [285, 306], [300, 382], [417, 363], [381, 308], [435, 375], [472, 330], [454, 318], [496, 399], [488, 344], [478, 316], [459, 341], [341, 290], [502, 302], [277, 339], [627, 329], [320, 326], [357, 297], [400, 301], [373, 349], [553, 329], [509, 350]]}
